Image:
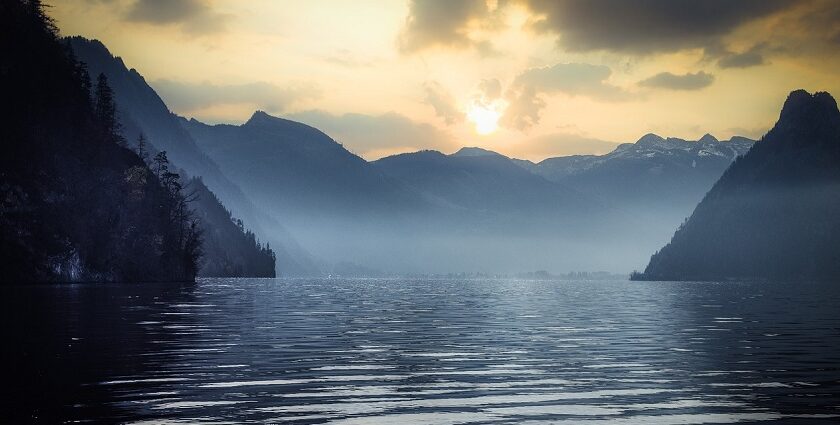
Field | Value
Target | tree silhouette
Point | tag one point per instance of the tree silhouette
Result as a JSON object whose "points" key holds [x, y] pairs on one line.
{"points": [[105, 108], [76, 204], [142, 150]]}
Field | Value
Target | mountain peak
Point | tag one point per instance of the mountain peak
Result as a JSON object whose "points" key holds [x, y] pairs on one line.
{"points": [[792, 169], [650, 138], [708, 138], [741, 139], [259, 117], [807, 118], [475, 151], [802, 105]]}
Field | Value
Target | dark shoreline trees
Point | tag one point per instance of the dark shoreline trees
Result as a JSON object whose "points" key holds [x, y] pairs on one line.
{"points": [[149, 127], [75, 203], [229, 249]]}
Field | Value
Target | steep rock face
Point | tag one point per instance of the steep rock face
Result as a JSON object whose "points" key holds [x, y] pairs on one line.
{"points": [[775, 213]]}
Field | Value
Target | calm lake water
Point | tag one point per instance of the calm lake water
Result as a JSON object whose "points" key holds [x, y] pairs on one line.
{"points": [[423, 351]]}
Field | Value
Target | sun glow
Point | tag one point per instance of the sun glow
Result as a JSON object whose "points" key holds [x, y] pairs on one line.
{"points": [[485, 117]]}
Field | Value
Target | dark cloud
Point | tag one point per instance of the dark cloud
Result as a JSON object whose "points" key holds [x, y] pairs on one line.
{"points": [[443, 103], [751, 57], [191, 16], [184, 97], [574, 79], [821, 17], [635, 27], [446, 23], [688, 81], [643, 27], [368, 134]]}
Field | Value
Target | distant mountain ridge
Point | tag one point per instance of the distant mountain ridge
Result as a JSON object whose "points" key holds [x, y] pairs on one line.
{"points": [[400, 214], [334, 202], [650, 161], [372, 215], [309, 172], [481, 180], [141, 110], [775, 213]]}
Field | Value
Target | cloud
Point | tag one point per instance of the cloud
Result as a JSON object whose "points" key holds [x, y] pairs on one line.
{"points": [[741, 60], [185, 97], [581, 79], [634, 28], [562, 144], [688, 81], [191, 16], [745, 59], [821, 20], [491, 89], [573, 79], [373, 136], [346, 58], [524, 106], [443, 103], [446, 23], [643, 27]]}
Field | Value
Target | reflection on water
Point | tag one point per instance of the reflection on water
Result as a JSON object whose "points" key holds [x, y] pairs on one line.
{"points": [[418, 351]]}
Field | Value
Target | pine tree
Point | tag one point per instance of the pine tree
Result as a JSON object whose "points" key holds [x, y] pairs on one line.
{"points": [[141, 148], [105, 107], [161, 164]]}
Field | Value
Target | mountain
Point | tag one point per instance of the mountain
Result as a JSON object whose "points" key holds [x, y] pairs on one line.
{"points": [[422, 212], [657, 181], [475, 151], [296, 170], [77, 205], [652, 169], [229, 249], [775, 212], [340, 207], [141, 110], [482, 181], [496, 215]]}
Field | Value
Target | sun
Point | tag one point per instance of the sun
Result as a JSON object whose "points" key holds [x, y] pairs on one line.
{"points": [[485, 117]]}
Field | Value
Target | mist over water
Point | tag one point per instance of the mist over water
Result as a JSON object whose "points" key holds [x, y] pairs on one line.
{"points": [[425, 351]]}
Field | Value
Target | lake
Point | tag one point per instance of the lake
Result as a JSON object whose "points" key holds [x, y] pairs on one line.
{"points": [[380, 351]]}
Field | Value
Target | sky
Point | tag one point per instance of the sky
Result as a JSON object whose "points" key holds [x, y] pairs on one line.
{"points": [[528, 78]]}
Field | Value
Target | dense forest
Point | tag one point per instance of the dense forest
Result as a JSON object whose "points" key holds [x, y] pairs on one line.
{"points": [[229, 249], [144, 116], [77, 204], [775, 213]]}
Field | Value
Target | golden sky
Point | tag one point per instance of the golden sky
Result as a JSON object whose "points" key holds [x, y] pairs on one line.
{"points": [[528, 78]]}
